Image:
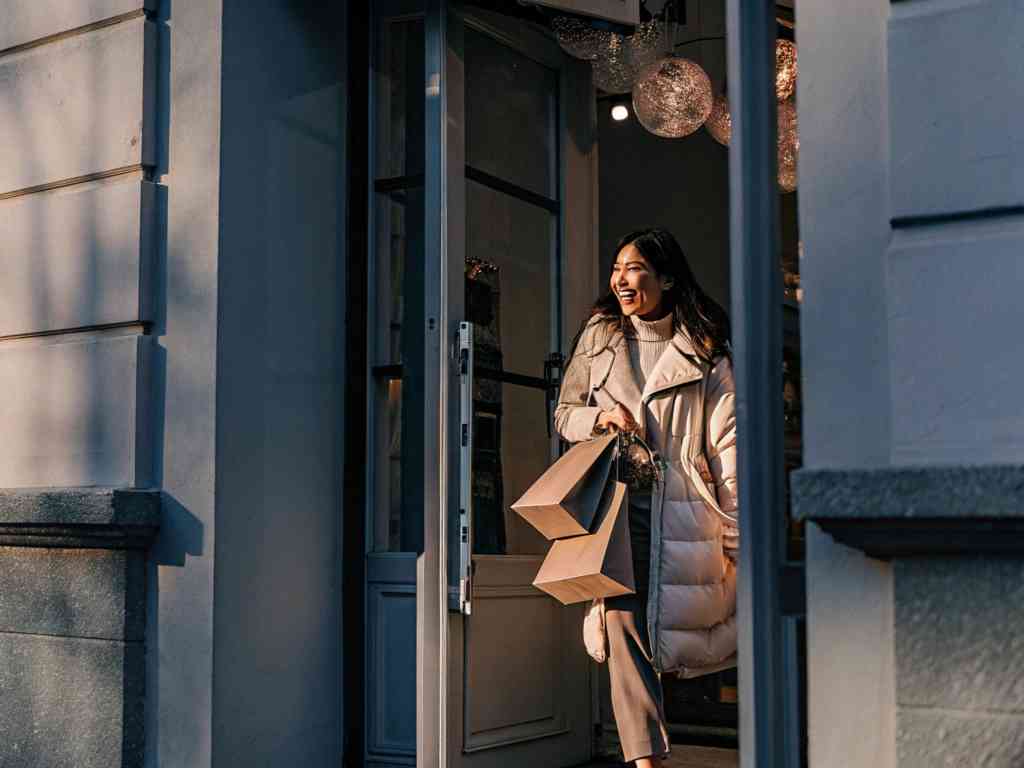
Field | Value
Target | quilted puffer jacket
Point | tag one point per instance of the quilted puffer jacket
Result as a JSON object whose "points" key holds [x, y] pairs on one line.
{"points": [[686, 413]]}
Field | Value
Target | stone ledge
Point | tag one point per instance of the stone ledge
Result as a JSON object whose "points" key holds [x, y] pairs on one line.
{"points": [[907, 511], [106, 518]]}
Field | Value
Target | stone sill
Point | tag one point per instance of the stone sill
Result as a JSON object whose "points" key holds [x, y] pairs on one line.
{"points": [[910, 511], [90, 518]]}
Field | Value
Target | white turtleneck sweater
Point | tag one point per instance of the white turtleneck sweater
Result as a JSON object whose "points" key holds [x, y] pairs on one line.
{"points": [[647, 343]]}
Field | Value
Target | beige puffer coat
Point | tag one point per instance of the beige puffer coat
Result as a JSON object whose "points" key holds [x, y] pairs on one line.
{"points": [[686, 412]]}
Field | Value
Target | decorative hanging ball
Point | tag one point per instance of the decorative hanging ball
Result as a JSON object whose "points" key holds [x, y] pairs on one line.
{"points": [[672, 97], [785, 69], [788, 146], [579, 39], [719, 122], [616, 67]]}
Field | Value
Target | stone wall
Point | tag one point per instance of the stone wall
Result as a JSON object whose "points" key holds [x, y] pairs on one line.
{"points": [[73, 626]]}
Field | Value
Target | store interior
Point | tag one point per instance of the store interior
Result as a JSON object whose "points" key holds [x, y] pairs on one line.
{"points": [[682, 184], [526, 105]]}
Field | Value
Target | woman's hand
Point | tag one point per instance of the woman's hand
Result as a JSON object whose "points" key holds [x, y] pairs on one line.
{"points": [[619, 418]]}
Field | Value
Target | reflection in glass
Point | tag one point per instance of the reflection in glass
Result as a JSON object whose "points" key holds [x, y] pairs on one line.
{"points": [[400, 99], [399, 280], [511, 110], [509, 295]]}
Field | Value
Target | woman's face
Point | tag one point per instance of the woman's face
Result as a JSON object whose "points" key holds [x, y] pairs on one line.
{"points": [[637, 286]]}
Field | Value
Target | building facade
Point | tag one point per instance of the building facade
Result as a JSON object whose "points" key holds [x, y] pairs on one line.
{"points": [[236, 241]]}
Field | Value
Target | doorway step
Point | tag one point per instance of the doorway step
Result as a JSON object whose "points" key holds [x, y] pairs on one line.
{"points": [[702, 757], [684, 756]]}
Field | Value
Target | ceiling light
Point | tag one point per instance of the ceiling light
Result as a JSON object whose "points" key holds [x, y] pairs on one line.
{"points": [[785, 69], [578, 38], [672, 97], [623, 56], [788, 147], [719, 122]]}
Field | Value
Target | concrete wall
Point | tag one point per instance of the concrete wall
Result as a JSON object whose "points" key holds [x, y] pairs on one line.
{"points": [[110, 135], [180, 663], [957, 199], [910, 211], [844, 226], [77, 137], [280, 386], [170, 316]]}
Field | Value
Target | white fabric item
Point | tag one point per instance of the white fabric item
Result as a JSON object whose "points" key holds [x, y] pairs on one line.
{"points": [[595, 631], [647, 343]]}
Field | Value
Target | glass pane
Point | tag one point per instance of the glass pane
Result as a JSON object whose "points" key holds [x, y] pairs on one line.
{"points": [[510, 247], [387, 529], [399, 96], [397, 441], [511, 115], [509, 294]]}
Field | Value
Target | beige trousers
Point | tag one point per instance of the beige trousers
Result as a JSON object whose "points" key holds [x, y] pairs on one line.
{"points": [[636, 687]]}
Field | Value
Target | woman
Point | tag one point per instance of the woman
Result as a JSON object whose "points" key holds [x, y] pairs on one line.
{"points": [[653, 359]]}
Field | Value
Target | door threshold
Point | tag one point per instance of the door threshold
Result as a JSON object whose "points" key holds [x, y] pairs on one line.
{"points": [[684, 756]]}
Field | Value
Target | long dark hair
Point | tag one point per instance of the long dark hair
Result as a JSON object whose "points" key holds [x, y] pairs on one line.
{"points": [[699, 316]]}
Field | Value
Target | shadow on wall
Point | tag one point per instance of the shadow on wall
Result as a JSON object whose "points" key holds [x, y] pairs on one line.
{"points": [[180, 537]]}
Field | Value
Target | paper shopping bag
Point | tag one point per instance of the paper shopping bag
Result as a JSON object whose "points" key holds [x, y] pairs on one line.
{"points": [[599, 564], [565, 499]]}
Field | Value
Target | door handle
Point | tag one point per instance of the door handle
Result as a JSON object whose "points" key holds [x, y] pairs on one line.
{"points": [[466, 468]]}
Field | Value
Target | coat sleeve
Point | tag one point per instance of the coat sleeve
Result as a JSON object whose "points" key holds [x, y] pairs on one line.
{"points": [[720, 447], [574, 419]]}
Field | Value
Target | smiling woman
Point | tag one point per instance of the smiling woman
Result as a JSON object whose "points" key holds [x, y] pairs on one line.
{"points": [[653, 359]]}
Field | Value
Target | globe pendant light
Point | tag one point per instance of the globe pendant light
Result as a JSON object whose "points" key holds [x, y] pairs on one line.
{"points": [[719, 125], [617, 66], [788, 146], [579, 39], [785, 69], [719, 122], [672, 97]]}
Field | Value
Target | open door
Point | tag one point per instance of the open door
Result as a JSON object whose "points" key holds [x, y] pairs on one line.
{"points": [[518, 679], [483, 170]]}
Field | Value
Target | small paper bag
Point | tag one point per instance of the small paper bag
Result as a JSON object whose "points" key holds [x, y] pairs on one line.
{"points": [[596, 565], [565, 499]]}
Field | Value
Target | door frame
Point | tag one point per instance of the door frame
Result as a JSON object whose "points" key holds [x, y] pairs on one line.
{"points": [[766, 686], [445, 184], [767, 683], [353, 540], [443, 164]]}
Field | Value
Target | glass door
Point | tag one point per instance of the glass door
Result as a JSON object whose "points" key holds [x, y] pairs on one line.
{"points": [[483, 152], [518, 689], [518, 683]]}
